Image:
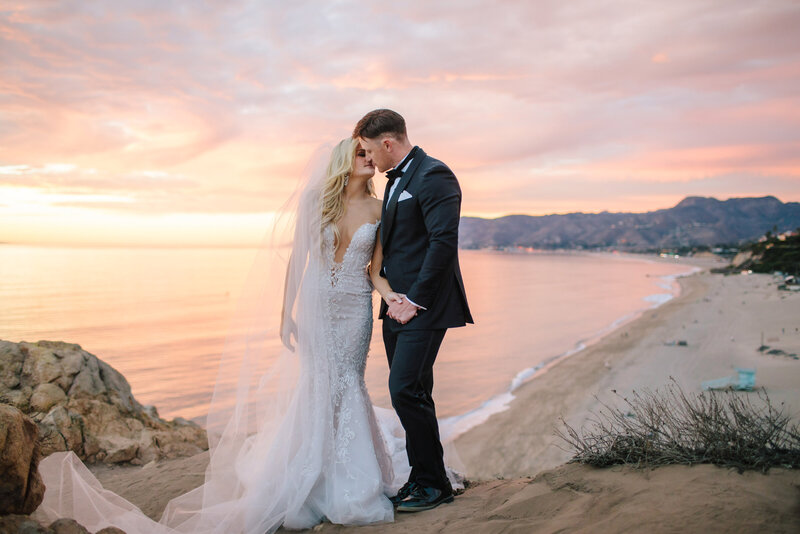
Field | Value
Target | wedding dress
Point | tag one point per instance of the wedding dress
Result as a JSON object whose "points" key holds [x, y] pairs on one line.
{"points": [[326, 459]]}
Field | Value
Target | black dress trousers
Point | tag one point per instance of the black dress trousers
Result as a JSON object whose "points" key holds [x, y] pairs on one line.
{"points": [[411, 355]]}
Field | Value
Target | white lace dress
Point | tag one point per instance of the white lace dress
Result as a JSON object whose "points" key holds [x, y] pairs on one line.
{"points": [[360, 472], [328, 458]]}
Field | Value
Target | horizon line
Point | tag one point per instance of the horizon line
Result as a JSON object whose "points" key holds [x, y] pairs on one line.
{"points": [[257, 244]]}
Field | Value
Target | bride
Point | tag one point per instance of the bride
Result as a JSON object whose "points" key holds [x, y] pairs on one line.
{"points": [[300, 443]]}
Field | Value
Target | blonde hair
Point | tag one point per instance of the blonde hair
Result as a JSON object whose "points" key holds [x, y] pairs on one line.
{"points": [[339, 168]]}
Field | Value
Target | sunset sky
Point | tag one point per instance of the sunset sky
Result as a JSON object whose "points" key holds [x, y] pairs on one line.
{"points": [[135, 122]]}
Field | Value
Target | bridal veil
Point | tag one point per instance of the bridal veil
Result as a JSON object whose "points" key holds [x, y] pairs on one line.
{"points": [[269, 413]]}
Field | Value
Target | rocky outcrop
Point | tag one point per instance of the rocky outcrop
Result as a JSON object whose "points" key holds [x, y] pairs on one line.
{"points": [[741, 258], [22, 524], [21, 486], [82, 404], [13, 524], [67, 526]]}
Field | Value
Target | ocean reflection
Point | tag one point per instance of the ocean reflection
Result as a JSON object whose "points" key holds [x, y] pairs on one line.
{"points": [[161, 316]]}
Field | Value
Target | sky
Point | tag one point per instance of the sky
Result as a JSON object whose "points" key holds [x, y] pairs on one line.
{"points": [[151, 122]]}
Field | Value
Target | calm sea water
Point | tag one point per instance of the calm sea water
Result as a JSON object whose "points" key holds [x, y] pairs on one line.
{"points": [[160, 316]]}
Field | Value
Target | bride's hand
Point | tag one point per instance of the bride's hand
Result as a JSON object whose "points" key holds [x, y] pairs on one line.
{"points": [[288, 329], [391, 296]]}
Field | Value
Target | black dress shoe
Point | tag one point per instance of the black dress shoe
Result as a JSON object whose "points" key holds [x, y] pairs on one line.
{"points": [[424, 498], [404, 492]]}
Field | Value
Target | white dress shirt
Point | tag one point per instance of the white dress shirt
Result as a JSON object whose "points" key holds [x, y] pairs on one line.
{"points": [[397, 180], [391, 192]]}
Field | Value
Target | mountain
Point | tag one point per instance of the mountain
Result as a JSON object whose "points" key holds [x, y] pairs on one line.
{"points": [[694, 221]]}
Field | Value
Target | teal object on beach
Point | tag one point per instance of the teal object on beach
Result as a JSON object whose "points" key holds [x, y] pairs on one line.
{"points": [[743, 380], [747, 379]]}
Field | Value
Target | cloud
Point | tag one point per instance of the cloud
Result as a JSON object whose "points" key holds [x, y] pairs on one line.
{"points": [[186, 108]]}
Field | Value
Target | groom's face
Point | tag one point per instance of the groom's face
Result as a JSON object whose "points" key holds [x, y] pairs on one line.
{"points": [[379, 152]]}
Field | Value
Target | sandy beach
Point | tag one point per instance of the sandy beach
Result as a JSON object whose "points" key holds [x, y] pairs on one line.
{"points": [[519, 479], [720, 318]]}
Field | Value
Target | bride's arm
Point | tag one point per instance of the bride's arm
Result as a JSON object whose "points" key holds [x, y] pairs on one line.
{"points": [[288, 327], [378, 282]]}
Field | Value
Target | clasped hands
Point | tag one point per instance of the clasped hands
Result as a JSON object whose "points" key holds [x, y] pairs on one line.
{"points": [[400, 308]]}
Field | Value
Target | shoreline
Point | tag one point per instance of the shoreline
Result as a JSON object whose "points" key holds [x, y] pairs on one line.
{"points": [[127, 333], [464, 444], [537, 490], [451, 428], [721, 317]]}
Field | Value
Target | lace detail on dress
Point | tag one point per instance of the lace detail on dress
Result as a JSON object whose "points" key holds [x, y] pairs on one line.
{"points": [[356, 257], [348, 334]]}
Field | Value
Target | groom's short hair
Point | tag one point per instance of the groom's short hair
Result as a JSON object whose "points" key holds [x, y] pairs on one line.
{"points": [[379, 122]]}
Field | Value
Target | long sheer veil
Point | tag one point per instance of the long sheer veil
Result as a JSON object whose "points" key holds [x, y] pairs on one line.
{"points": [[269, 421], [259, 382]]}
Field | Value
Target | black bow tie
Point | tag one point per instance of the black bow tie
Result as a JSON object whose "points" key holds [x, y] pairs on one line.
{"points": [[394, 173]]}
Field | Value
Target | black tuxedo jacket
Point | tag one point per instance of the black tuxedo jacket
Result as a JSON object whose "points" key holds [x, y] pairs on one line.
{"points": [[419, 235]]}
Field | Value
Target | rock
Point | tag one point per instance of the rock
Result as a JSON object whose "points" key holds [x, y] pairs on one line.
{"points": [[21, 487], [23, 524], [11, 359], [114, 381], [82, 404], [87, 381], [61, 430], [18, 397], [741, 259], [153, 412], [41, 369], [45, 396], [67, 526], [119, 450], [19, 524]]}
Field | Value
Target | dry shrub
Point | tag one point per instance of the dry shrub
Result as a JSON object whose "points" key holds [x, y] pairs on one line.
{"points": [[667, 426]]}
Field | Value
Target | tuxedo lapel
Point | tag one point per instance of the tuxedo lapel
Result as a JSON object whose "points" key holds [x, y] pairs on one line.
{"points": [[391, 204], [385, 202]]}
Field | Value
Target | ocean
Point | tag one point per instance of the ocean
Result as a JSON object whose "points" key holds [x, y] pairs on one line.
{"points": [[160, 316]]}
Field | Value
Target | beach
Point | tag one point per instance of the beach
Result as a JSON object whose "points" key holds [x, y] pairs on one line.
{"points": [[515, 463], [720, 318]]}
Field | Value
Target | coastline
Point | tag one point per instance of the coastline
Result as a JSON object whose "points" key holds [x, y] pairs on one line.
{"points": [[451, 428], [520, 441], [519, 479], [541, 452], [123, 326]]}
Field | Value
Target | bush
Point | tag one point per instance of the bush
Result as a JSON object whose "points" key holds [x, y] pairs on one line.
{"points": [[724, 428]]}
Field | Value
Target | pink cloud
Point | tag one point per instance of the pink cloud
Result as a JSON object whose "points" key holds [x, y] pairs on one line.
{"points": [[520, 98]]}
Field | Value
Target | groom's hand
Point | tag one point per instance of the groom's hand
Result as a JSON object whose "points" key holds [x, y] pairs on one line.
{"points": [[402, 312]]}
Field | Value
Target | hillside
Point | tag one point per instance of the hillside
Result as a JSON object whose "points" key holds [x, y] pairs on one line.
{"points": [[695, 221]]}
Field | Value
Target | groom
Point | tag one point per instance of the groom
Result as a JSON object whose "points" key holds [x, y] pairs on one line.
{"points": [[419, 236]]}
